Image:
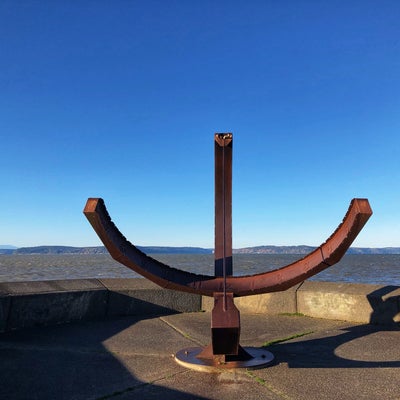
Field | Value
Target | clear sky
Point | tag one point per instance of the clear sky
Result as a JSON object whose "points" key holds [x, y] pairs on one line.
{"points": [[121, 100]]}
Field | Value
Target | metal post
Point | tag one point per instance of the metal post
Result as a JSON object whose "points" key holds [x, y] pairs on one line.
{"points": [[223, 204]]}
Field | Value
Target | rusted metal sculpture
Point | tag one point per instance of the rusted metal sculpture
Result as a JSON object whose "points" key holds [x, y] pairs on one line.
{"points": [[224, 350]]}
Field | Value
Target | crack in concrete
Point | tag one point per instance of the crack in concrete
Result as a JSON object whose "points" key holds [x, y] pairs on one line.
{"points": [[181, 332], [267, 385]]}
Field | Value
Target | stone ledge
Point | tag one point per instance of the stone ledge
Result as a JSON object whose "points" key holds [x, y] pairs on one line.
{"points": [[267, 303], [359, 303], [54, 308], [349, 302], [24, 304], [141, 297], [36, 287]]}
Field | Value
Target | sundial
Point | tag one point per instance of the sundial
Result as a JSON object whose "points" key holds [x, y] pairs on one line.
{"points": [[224, 351]]}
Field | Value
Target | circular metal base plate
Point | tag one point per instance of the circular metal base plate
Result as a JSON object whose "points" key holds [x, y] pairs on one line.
{"points": [[188, 358]]}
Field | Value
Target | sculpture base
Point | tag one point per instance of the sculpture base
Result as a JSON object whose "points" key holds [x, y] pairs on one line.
{"points": [[252, 358]]}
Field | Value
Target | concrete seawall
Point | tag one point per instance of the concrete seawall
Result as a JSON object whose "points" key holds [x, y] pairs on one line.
{"points": [[26, 304]]}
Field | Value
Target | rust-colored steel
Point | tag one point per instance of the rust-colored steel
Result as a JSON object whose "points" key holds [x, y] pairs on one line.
{"points": [[223, 204], [280, 279], [225, 325], [225, 318]]}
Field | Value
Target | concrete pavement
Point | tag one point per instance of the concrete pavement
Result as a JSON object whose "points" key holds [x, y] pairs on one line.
{"points": [[130, 357]]}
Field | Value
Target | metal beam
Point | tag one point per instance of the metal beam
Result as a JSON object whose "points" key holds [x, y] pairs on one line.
{"points": [[223, 204]]}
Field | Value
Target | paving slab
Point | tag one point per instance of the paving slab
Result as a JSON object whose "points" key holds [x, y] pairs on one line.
{"points": [[353, 362], [256, 329], [132, 358], [198, 385]]}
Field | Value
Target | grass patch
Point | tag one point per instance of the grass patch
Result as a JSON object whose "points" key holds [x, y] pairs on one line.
{"points": [[256, 378], [285, 339], [295, 314]]}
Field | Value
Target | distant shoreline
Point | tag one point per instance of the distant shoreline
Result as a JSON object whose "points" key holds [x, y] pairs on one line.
{"points": [[191, 250]]}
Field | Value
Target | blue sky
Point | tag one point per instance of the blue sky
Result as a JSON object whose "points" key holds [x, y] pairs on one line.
{"points": [[121, 100]]}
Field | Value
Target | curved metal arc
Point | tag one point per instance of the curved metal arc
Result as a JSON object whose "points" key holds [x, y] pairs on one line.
{"points": [[283, 278], [126, 253]]}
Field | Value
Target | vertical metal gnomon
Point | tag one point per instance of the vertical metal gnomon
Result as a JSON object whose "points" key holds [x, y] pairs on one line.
{"points": [[224, 350], [225, 323]]}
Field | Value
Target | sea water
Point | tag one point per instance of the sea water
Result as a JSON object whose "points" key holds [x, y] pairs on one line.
{"points": [[368, 268]]}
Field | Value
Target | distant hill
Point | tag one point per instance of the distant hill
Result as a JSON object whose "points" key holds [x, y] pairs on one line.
{"points": [[275, 250], [60, 250], [372, 250], [300, 250], [103, 250], [303, 250], [174, 250], [6, 249]]}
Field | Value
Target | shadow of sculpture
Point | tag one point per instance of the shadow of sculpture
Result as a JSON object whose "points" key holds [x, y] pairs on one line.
{"points": [[325, 352], [386, 309], [352, 347], [82, 360]]}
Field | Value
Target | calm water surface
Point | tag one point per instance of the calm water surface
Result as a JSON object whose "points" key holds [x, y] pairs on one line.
{"points": [[378, 269]]}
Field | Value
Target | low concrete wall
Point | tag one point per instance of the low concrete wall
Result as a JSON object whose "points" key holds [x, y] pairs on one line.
{"points": [[25, 304], [350, 302], [268, 303], [342, 301]]}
